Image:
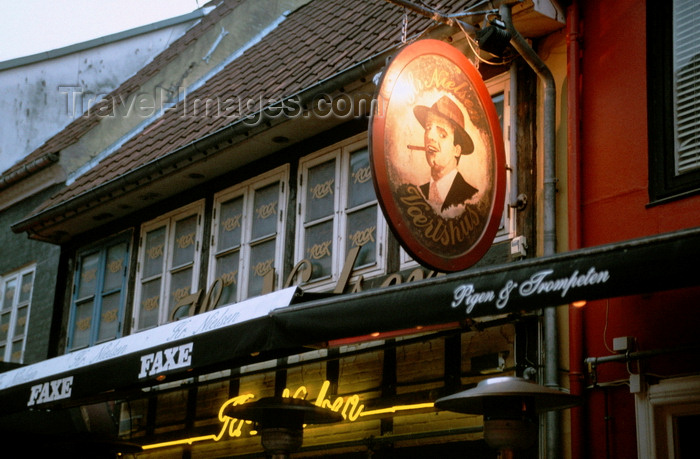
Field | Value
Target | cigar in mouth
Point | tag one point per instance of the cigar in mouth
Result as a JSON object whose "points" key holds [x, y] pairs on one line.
{"points": [[416, 147]]}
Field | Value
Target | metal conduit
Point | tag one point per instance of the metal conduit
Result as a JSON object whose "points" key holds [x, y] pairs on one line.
{"points": [[551, 376]]}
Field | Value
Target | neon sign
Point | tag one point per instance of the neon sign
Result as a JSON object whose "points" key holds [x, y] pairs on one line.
{"points": [[349, 407]]}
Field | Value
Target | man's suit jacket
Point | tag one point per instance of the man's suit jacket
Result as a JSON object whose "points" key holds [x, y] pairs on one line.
{"points": [[460, 191]]}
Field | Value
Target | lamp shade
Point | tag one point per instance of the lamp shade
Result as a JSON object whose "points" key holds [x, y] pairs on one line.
{"points": [[281, 421], [283, 412], [488, 394]]}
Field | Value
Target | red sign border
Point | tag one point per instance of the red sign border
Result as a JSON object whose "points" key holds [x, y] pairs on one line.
{"points": [[380, 174]]}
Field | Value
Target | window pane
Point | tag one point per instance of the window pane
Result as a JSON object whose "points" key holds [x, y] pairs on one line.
{"points": [[82, 325], [180, 286], [262, 260], [265, 211], [26, 293], [318, 247], [109, 319], [114, 267], [150, 300], [360, 188], [4, 326], [153, 259], [230, 224], [88, 275], [362, 232], [17, 351], [21, 321], [227, 270], [9, 299], [2, 353], [319, 192], [185, 231]]}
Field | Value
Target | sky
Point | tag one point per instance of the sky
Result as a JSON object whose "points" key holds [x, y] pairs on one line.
{"points": [[32, 26]]}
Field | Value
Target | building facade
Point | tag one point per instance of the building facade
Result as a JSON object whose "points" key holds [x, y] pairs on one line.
{"points": [[234, 247]]}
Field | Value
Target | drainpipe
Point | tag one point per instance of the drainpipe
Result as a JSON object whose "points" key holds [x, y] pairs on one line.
{"points": [[551, 349], [576, 345]]}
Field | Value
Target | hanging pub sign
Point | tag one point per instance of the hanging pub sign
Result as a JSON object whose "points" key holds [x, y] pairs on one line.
{"points": [[437, 156]]}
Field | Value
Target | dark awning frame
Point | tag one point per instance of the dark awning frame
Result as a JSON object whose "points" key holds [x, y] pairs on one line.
{"points": [[273, 325]]}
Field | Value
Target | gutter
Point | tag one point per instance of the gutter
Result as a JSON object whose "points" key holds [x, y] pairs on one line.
{"points": [[7, 180], [211, 142], [551, 343], [576, 317]]}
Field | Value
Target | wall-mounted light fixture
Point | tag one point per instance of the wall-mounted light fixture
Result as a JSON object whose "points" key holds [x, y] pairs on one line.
{"points": [[280, 421], [510, 406], [494, 37]]}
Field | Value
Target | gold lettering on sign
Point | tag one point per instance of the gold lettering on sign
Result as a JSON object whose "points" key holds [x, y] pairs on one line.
{"points": [[322, 190], [155, 252], [229, 278], [361, 237], [26, 288], [263, 267], [444, 232], [320, 250], [114, 266], [362, 175], [4, 328], [232, 223], [22, 321], [185, 240], [89, 275], [440, 80], [150, 304], [110, 316], [266, 210], [83, 324]]}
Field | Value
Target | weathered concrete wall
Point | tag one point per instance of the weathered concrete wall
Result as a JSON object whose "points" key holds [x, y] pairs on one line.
{"points": [[39, 99]]}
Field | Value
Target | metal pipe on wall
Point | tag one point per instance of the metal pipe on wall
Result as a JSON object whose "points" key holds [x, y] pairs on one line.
{"points": [[551, 343], [576, 317]]}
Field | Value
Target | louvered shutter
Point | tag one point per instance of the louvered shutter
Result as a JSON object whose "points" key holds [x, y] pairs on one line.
{"points": [[686, 60]]}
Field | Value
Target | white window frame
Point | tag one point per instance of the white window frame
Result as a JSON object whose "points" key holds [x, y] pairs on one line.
{"points": [[196, 208], [656, 408], [503, 83], [341, 152], [247, 190], [12, 337]]}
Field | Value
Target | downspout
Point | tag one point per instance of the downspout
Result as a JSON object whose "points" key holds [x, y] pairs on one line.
{"points": [[576, 345], [551, 344]]}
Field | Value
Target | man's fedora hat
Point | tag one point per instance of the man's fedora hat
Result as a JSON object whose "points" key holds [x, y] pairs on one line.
{"points": [[447, 109]]}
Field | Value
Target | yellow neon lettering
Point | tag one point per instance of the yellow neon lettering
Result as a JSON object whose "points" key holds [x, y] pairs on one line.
{"points": [[350, 408]]}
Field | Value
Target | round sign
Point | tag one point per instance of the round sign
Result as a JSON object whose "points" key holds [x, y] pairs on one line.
{"points": [[437, 156]]}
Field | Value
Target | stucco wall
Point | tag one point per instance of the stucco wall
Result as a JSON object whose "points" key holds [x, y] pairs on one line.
{"points": [[41, 98]]}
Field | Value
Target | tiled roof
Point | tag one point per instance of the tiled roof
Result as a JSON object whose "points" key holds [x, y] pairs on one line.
{"points": [[84, 123], [316, 42]]}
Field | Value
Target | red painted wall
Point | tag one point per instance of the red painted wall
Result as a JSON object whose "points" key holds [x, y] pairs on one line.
{"points": [[614, 190]]}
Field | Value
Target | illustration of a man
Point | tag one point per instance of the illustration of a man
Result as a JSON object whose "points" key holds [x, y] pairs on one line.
{"points": [[445, 141]]}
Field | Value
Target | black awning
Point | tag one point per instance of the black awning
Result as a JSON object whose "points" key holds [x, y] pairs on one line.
{"points": [[273, 325]]}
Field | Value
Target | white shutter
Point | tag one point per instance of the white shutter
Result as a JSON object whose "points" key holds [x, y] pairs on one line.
{"points": [[686, 67]]}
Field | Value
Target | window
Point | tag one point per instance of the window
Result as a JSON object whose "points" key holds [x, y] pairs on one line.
{"points": [[673, 30], [668, 417], [247, 237], [338, 212], [99, 293], [16, 291], [169, 254]]}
